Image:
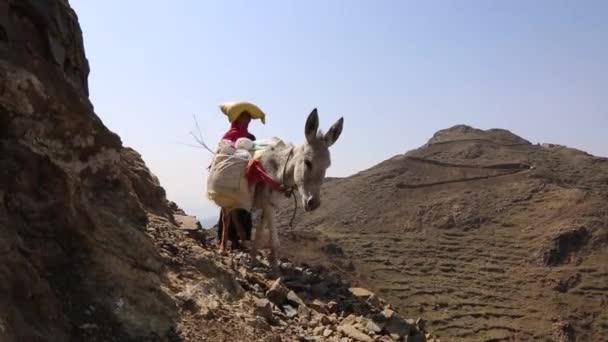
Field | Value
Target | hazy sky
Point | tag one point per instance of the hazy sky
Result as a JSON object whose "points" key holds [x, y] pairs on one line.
{"points": [[396, 70]]}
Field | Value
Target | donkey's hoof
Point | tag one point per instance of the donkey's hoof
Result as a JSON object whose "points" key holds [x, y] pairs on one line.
{"points": [[274, 265]]}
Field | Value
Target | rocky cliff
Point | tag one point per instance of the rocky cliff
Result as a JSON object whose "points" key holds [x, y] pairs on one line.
{"points": [[74, 203]]}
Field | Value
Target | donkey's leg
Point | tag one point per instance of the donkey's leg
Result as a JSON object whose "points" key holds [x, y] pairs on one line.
{"points": [[240, 231], [226, 226], [257, 238], [273, 235]]}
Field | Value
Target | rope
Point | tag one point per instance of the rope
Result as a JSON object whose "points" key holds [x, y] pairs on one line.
{"points": [[290, 191], [285, 166], [295, 210]]}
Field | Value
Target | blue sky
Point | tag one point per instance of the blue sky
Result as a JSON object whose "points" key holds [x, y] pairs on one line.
{"points": [[396, 70]]}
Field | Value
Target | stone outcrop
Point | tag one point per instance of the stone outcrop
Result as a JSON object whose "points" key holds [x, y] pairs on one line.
{"points": [[74, 203]]}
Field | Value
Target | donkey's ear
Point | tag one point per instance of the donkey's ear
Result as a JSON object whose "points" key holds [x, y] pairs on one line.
{"points": [[334, 132], [312, 126]]}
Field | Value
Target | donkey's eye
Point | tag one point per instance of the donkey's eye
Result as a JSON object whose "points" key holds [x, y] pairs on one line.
{"points": [[308, 164]]}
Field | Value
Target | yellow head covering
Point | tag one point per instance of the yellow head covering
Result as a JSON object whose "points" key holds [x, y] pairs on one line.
{"points": [[234, 109]]}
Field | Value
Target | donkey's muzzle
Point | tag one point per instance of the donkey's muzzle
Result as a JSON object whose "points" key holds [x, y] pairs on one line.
{"points": [[312, 204]]}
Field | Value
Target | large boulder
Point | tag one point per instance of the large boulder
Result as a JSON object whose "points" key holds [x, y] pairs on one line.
{"points": [[74, 203]]}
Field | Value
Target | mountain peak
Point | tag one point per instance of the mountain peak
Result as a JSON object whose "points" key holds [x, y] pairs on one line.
{"points": [[464, 132]]}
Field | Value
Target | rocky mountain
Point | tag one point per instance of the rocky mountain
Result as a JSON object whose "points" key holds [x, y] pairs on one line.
{"points": [[91, 250], [484, 234], [74, 203]]}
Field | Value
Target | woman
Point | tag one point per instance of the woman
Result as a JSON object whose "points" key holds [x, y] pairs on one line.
{"points": [[240, 115], [239, 128]]}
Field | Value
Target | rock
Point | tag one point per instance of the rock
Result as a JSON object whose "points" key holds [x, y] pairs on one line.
{"points": [[68, 184], [286, 265], [186, 222], [333, 318], [258, 323], [327, 332], [558, 247], [319, 306], [290, 312], [318, 330], [431, 338], [350, 319], [563, 332], [333, 306], [394, 324], [360, 292], [352, 332], [319, 290], [293, 298], [389, 321], [243, 272], [325, 320], [314, 322], [205, 313], [420, 323], [374, 301], [310, 276], [208, 309], [263, 308], [277, 292], [388, 314], [373, 326], [304, 311]]}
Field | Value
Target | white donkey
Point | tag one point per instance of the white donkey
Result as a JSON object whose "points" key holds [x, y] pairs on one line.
{"points": [[301, 168]]}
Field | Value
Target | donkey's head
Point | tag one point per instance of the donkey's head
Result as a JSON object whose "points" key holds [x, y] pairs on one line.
{"points": [[312, 160]]}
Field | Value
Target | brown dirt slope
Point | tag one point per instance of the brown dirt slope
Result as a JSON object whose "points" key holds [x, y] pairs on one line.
{"points": [[485, 235]]}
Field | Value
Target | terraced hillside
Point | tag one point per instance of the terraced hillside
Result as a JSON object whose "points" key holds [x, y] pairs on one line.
{"points": [[482, 233]]}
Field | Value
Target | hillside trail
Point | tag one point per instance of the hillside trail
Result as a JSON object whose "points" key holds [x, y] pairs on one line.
{"points": [[229, 297]]}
